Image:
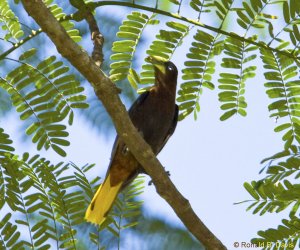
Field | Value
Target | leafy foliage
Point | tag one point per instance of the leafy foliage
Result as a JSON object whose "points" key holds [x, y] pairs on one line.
{"points": [[5, 144], [253, 15], [270, 197], [58, 13], [45, 95], [50, 201], [198, 72], [282, 170], [130, 32], [276, 193], [96, 114], [232, 84], [126, 209], [291, 10], [9, 22], [284, 89], [158, 234], [284, 236], [165, 44], [222, 8], [202, 6]]}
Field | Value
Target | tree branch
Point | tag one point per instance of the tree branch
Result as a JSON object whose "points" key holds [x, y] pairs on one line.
{"points": [[97, 39], [259, 44], [108, 94]]}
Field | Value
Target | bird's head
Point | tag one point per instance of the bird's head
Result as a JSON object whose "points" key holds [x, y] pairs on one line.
{"points": [[165, 71]]}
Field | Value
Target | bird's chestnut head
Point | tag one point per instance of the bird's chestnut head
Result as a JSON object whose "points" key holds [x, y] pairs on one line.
{"points": [[165, 71]]}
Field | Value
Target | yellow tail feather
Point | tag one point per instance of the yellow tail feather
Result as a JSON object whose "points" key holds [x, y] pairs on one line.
{"points": [[102, 202]]}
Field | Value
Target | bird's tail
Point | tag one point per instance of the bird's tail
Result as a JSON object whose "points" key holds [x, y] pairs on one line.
{"points": [[102, 201]]}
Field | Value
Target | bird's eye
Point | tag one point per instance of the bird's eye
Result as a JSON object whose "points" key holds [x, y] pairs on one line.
{"points": [[170, 67]]}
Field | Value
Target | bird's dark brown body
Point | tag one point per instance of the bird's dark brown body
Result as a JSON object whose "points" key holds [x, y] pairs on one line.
{"points": [[154, 114], [154, 128]]}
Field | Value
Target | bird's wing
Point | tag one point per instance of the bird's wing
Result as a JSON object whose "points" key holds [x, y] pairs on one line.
{"points": [[138, 102], [171, 129], [114, 180]]}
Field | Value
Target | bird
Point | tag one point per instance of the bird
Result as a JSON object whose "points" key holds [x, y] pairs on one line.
{"points": [[155, 115]]}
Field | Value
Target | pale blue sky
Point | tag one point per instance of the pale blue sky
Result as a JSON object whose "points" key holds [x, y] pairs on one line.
{"points": [[208, 160]]}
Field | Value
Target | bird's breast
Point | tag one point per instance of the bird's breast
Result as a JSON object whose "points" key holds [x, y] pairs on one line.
{"points": [[154, 119]]}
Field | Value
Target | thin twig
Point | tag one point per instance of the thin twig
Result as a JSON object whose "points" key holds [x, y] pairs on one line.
{"points": [[97, 39], [259, 44], [96, 36]]}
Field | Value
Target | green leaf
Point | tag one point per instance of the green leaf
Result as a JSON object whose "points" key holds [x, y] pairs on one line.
{"points": [[174, 1], [251, 191], [248, 10], [32, 128], [58, 150], [228, 114], [11, 26], [177, 26], [59, 141], [27, 54], [282, 127], [242, 112], [79, 105]]}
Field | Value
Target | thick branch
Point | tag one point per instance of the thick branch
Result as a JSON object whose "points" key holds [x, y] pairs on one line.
{"points": [[108, 94]]}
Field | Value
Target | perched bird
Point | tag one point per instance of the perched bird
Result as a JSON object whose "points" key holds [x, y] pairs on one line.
{"points": [[154, 114]]}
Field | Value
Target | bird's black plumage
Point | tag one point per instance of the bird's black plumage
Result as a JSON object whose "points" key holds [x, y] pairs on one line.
{"points": [[154, 114]]}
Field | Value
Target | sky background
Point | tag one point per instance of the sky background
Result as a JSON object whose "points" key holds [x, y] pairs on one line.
{"points": [[208, 160]]}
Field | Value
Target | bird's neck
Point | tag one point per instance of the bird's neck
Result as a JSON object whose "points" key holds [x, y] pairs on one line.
{"points": [[163, 91]]}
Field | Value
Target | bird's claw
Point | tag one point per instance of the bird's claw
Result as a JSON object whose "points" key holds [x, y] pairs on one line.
{"points": [[151, 182]]}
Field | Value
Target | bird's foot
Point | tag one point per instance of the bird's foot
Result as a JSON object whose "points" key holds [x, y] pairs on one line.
{"points": [[151, 182]]}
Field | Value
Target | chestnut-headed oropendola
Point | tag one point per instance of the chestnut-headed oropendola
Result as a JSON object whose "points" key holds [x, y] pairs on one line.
{"points": [[154, 114]]}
